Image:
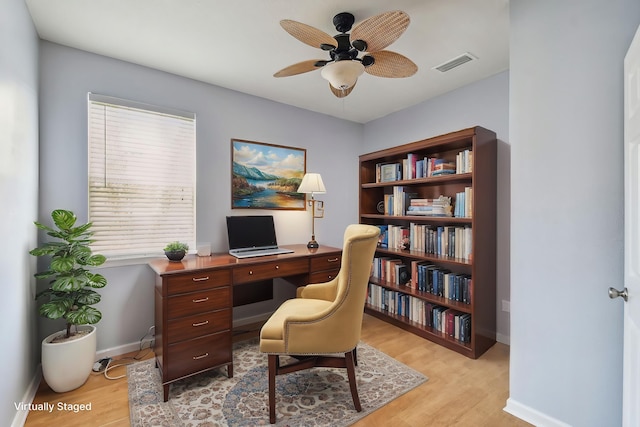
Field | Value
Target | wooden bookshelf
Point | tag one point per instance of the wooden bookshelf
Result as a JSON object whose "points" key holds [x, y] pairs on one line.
{"points": [[480, 267]]}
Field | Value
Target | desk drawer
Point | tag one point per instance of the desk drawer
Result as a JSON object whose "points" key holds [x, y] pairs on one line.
{"points": [[199, 302], [186, 328], [191, 356], [323, 276], [270, 270], [326, 262], [197, 281]]}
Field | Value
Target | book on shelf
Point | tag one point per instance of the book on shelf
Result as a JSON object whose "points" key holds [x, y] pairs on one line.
{"points": [[414, 166], [397, 202], [387, 172], [443, 167], [464, 203], [411, 165], [383, 241], [465, 328], [464, 161], [427, 314], [450, 241], [402, 274]]}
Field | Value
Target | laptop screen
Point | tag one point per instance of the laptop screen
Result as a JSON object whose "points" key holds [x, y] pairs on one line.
{"points": [[253, 231]]}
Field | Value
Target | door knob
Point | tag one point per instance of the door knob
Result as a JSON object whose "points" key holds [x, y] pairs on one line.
{"points": [[614, 293]]}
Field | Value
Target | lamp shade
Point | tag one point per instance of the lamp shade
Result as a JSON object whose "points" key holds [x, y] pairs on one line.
{"points": [[312, 183], [342, 74]]}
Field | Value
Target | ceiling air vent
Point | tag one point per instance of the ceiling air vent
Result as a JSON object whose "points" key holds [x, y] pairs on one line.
{"points": [[455, 62]]}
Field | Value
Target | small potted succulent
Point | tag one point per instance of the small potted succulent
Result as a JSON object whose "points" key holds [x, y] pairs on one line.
{"points": [[175, 251]]}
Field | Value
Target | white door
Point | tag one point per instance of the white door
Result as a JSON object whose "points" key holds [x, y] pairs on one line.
{"points": [[631, 352]]}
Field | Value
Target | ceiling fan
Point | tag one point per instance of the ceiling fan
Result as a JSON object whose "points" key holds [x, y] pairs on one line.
{"points": [[369, 37]]}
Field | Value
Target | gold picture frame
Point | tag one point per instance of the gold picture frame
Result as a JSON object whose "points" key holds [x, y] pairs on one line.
{"points": [[266, 176]]}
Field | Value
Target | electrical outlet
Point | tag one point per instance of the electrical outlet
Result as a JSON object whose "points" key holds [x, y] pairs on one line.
{"points": [[506, 305]]}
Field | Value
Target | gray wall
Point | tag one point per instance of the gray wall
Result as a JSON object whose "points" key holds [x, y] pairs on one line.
{"points": [[68, 74], [484, 103], [18, 198], [566, 133]]}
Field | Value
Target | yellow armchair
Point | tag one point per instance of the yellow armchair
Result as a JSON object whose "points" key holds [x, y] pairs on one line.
{"points": [[325, 318]]}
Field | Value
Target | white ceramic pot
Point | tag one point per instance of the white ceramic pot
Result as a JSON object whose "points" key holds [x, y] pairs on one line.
{"points": [[67, 365]]}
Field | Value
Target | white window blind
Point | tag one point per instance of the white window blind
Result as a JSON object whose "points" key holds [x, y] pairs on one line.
{"points": [[141, 177]]}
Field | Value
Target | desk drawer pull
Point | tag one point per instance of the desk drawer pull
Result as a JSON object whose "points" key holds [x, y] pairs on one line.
{"points": [[206, 322], [250, 272], [201, 299], [277, 267], [332, 259], [202, 356], [200, 279]]}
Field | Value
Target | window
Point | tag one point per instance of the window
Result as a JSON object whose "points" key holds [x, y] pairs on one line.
{"points": [[141, 177]]}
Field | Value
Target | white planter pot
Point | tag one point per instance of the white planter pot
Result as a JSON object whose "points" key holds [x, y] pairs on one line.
{"points": [[67, 365]]}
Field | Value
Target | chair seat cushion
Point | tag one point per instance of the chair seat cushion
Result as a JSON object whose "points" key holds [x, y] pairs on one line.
{"points": [[272, 335]]}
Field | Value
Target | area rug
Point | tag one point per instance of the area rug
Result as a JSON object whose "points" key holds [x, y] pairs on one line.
{"points": [[315, 397]]}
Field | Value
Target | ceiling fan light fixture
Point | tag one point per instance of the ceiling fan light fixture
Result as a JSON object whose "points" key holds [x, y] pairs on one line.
{"points": [[342, 74]]}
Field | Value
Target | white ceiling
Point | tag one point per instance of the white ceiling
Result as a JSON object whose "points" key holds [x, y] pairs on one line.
{"points": [[239, 44]]}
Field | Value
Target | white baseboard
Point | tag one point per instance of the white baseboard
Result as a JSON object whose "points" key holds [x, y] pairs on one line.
{"points": [[531, 415], [504, 339], [29, 395], [120, 350]]}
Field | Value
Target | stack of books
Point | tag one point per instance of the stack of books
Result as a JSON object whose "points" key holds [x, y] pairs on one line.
{"points": [[430, 207]]}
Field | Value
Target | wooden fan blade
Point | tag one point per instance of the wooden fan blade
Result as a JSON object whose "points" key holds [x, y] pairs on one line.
{"points": [[307, 34], [341, 93], [381, 30], [299, 68], [391, 64]]}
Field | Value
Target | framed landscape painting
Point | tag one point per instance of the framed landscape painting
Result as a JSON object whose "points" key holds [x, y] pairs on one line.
{"points": [[266, 176]]}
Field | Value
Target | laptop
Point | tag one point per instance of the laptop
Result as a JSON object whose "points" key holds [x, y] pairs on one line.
{"points": [[252, 236]]}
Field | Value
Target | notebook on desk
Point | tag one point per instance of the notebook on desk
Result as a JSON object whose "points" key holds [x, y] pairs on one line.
{"points": [[253, 235]]}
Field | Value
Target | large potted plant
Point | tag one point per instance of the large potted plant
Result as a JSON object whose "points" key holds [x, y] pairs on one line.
{"points": [[68, 356]]}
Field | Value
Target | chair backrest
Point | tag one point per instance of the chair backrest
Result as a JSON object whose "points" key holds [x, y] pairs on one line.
{"points": [[360, 242]]}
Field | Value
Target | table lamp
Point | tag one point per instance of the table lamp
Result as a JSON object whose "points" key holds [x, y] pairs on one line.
{"points": [[312, 184]]}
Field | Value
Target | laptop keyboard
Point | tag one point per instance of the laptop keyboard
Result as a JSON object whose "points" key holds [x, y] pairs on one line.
{"points": [[260, 252]]}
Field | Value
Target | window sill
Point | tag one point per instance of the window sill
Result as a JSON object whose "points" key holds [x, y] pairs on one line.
{"points": [[123, 262]]}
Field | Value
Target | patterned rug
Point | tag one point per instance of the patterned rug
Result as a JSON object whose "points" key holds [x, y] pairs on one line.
{"points": [[314, 397]]}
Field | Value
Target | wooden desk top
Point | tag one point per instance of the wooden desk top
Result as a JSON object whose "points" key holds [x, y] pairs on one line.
{"points": [[163, 266]]}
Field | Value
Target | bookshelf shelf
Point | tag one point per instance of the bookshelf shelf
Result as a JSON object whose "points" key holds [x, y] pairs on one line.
{"points": [[440, 259], [433, 219], [425, 332], [460, 306], [466, 317]]}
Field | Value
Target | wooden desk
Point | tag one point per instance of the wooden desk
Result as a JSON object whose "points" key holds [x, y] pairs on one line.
{"points": [[194, 303]]}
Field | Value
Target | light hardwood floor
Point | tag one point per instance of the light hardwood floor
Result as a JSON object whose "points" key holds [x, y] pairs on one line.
{"points": [[459, 392]]}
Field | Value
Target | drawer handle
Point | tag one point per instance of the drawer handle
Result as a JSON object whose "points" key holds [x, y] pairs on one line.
{"points": [[201, 323], [201, 299], [333, 259], [277, 267], [202, 356], [250, 272], [330, 277], [200, 279]]}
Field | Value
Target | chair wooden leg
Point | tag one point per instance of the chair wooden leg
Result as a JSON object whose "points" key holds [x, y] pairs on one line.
{"points": [[351, 373], [273, 368], [355, 355]]}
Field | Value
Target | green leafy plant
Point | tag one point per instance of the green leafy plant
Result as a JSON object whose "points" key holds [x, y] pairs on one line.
{"points": [[176, 247], [70, 295]]}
